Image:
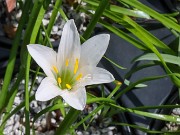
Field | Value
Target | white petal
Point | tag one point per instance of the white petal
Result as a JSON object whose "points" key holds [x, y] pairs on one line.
{"points": [[95, 75], [70, 44], [93, 49], [44, 56], [48, 89], [76, 98]]}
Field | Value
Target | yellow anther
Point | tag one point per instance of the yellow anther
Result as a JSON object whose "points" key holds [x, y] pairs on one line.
{"points": [[79, 77], [67, 62], [59, 80], [76, 66], [68, 86], [55, 69]]}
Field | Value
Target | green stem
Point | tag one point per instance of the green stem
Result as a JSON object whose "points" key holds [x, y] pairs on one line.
{"points": [[99, 11], [27, 122], [67, 122]]}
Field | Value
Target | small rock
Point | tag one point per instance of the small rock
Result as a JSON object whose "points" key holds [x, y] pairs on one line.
{"points": [[96, 133], [18, 15], [8, 129], [10, 122], [55, 29], [53, 114], [43, 123], [34, 104], [110, 132], [17, 100], [105, 130], [37, 109], [79, 133], [45, 22], [111, 128], [59, 33], [16, 126], [53, 121], [176, 111], [52, 40], [86, 133]]}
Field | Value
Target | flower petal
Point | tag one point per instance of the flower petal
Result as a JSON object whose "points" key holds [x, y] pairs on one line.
{"points": [[76, 98], [93, 49], [48, 89], [95, 75], [44, 56], [69, 47]]}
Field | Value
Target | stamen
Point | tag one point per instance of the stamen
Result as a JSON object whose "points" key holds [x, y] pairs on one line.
{"points": [[76, 66], [79, 77], [67, 62], [68, 86], [55, 69], [59, 80]]}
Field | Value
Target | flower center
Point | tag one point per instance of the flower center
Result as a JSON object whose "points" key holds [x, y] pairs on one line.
{"points": [[67, 78]]}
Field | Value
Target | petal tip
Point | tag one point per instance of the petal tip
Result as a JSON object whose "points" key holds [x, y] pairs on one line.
{"points": [[105, 36]]}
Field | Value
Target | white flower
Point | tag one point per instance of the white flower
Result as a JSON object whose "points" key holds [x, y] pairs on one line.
{"points": [[72, 68]]}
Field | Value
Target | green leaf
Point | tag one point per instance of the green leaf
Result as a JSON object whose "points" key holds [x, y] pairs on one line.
{"points": [[164, 20], [114, 63], [167, 58], [120, 10], [127, 82]]}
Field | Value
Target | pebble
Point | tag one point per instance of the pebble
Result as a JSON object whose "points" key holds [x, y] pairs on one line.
{"points": [[17, 100], [18, 15], [53, 121], [43, 123], [52, 40], [59, 32], [43, 106], [36, 125], [10, 122], [176, 111], [111, 127], [86, 133], [37, 109], [16, 125], [17, 132], [8, 129], [110, 132], [105, 130], [53, 114], [45, 22], [34, 104], [11, 133], [23, 129], [79, 133], [96, 133], [55, 28]]}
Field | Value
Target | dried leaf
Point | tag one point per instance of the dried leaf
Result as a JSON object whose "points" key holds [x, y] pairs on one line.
{"points": [[10, 5]]}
